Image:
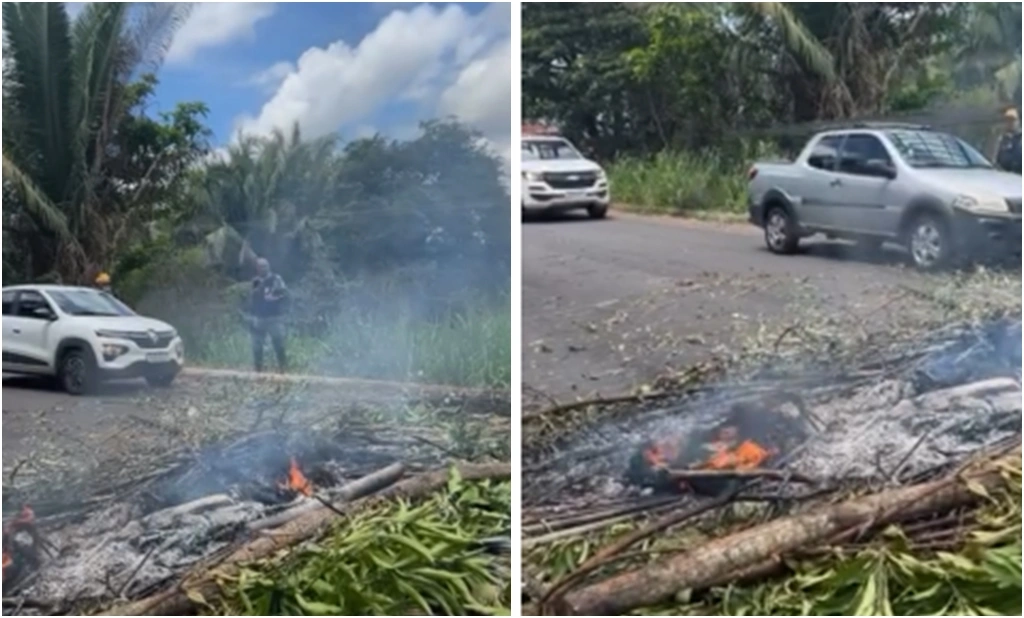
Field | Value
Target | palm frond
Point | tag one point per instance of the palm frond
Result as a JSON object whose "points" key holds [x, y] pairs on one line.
{"points": [[35, 202], [798, 39], [39, 52]]}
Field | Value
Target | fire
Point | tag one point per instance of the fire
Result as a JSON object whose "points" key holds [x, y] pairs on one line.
{"points": [[25, 521], [748, 455], [297, 481]]}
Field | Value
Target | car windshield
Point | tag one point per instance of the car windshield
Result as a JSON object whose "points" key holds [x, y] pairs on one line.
{"points": [[91, 303], [549, 149], [931, 149]]}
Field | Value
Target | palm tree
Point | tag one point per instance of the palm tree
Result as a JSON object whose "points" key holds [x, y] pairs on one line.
{"points": [[66, 95]]}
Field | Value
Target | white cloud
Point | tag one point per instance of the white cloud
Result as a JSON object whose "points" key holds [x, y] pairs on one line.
{"points": [[270, 79], [481, 96], [444, 59], [215, 23]]}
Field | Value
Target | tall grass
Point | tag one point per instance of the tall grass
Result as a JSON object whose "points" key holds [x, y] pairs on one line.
{"points": [[686, 183], [469, 348]]}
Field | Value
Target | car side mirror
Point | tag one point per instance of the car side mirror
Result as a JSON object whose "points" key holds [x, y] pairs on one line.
{"points": [[880, 168], [44, 313]]}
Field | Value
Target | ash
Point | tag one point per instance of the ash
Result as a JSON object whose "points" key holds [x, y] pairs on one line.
{"points": [[148, 537], [915, 415], [97, 558]]}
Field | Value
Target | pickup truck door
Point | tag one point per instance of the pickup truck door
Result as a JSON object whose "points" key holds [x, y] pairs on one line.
{"points": [[817, 204], [868, 202]]}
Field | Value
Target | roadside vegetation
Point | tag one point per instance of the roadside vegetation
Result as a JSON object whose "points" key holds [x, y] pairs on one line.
{"points": [[677, 100], [397, 252]]}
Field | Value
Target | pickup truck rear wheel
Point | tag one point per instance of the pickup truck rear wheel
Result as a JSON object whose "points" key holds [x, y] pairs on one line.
{"points": [[929, 242], [780, 233]]}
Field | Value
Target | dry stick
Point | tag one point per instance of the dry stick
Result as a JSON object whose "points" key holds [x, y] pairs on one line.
{"points": [[775, 475], [604, 555], [181, 600], [358, 488], [551, 524], [753, 549]]}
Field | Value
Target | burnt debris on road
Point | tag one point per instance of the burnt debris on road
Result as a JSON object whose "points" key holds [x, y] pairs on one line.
{"points": [[222, 478], [663, 501]]}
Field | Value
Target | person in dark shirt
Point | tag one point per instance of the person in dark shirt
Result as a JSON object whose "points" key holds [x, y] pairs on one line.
{"points": [[1008, 153], [268, 300]]}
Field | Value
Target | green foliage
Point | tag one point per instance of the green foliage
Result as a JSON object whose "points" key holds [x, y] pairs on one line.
{"points": [[680, 182], [85, 170], [631, 79], [399, 561]]}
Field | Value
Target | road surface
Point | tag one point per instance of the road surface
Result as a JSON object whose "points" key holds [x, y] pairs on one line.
{"points": [[609, 305]]}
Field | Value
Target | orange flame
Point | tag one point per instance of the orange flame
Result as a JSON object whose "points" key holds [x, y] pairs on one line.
{"points": [[749, 455], [297, 481]]}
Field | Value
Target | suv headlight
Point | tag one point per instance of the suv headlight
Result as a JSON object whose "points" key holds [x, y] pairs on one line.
{"points": [[981, 204], [533, 176], [601, 175]]}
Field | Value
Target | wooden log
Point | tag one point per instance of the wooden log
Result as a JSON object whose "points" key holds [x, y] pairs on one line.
{"points": [[359, 488], [182, 599], [716, 561]]}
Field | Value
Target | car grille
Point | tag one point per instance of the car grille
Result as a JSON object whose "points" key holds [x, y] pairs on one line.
{"points": [[1014, 206], [144, 341], [570, 180]]}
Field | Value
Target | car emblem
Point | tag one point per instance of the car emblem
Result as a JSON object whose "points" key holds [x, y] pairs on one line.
{"points": [[152, 336], [573, 177]]}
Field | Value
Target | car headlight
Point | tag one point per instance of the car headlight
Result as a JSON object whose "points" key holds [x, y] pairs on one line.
{"points": [[113, 350], [601, 175], [532, 176], [981, 204]]}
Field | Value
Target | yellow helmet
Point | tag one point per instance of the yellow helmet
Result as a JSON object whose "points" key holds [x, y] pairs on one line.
{"points": [[103, 279], [1011, 113]]}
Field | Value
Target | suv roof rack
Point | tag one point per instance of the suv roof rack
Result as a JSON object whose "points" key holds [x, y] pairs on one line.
{"points": [[892, 125]]}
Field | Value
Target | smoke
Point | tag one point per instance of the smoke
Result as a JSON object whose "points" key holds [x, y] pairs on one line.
{"points": [[960, 396]]}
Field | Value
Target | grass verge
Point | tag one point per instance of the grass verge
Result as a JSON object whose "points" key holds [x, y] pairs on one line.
{"points": [[704, 185], [470, 349]]}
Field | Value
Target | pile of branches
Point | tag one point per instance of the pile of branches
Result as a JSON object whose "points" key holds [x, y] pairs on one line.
{"points": [[904, 549], [294, 568]]}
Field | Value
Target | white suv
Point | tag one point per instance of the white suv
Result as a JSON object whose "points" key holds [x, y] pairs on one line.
{"points": [[557, 178], [83, 336]]}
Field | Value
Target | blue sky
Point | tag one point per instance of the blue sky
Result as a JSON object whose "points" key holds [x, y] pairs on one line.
{"points": [[357, 68]]}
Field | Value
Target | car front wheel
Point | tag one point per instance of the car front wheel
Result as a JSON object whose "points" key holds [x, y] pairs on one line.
{"points": [[597, 211], [78, 372], [929, 243]]}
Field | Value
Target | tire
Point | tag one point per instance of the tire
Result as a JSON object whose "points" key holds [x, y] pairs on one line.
{"points": [[780, 231], [930, 243], [597, 211], [77, 372], [161, 381]]}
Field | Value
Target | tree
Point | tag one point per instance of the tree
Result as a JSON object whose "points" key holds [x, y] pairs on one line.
{"points": [[84, 168]]}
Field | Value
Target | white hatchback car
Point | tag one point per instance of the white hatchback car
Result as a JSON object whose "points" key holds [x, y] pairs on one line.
{"points": [[83, 336]]}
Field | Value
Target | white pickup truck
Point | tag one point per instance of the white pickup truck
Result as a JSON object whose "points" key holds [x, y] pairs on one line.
{"points": [[557, 178], [926, 190]]}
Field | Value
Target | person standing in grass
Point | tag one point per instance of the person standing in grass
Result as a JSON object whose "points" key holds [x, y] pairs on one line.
{"points": [[268, 301], [1008, 152]]}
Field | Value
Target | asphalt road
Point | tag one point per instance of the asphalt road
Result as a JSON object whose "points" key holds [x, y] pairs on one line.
{"points": [[609, 305]]}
